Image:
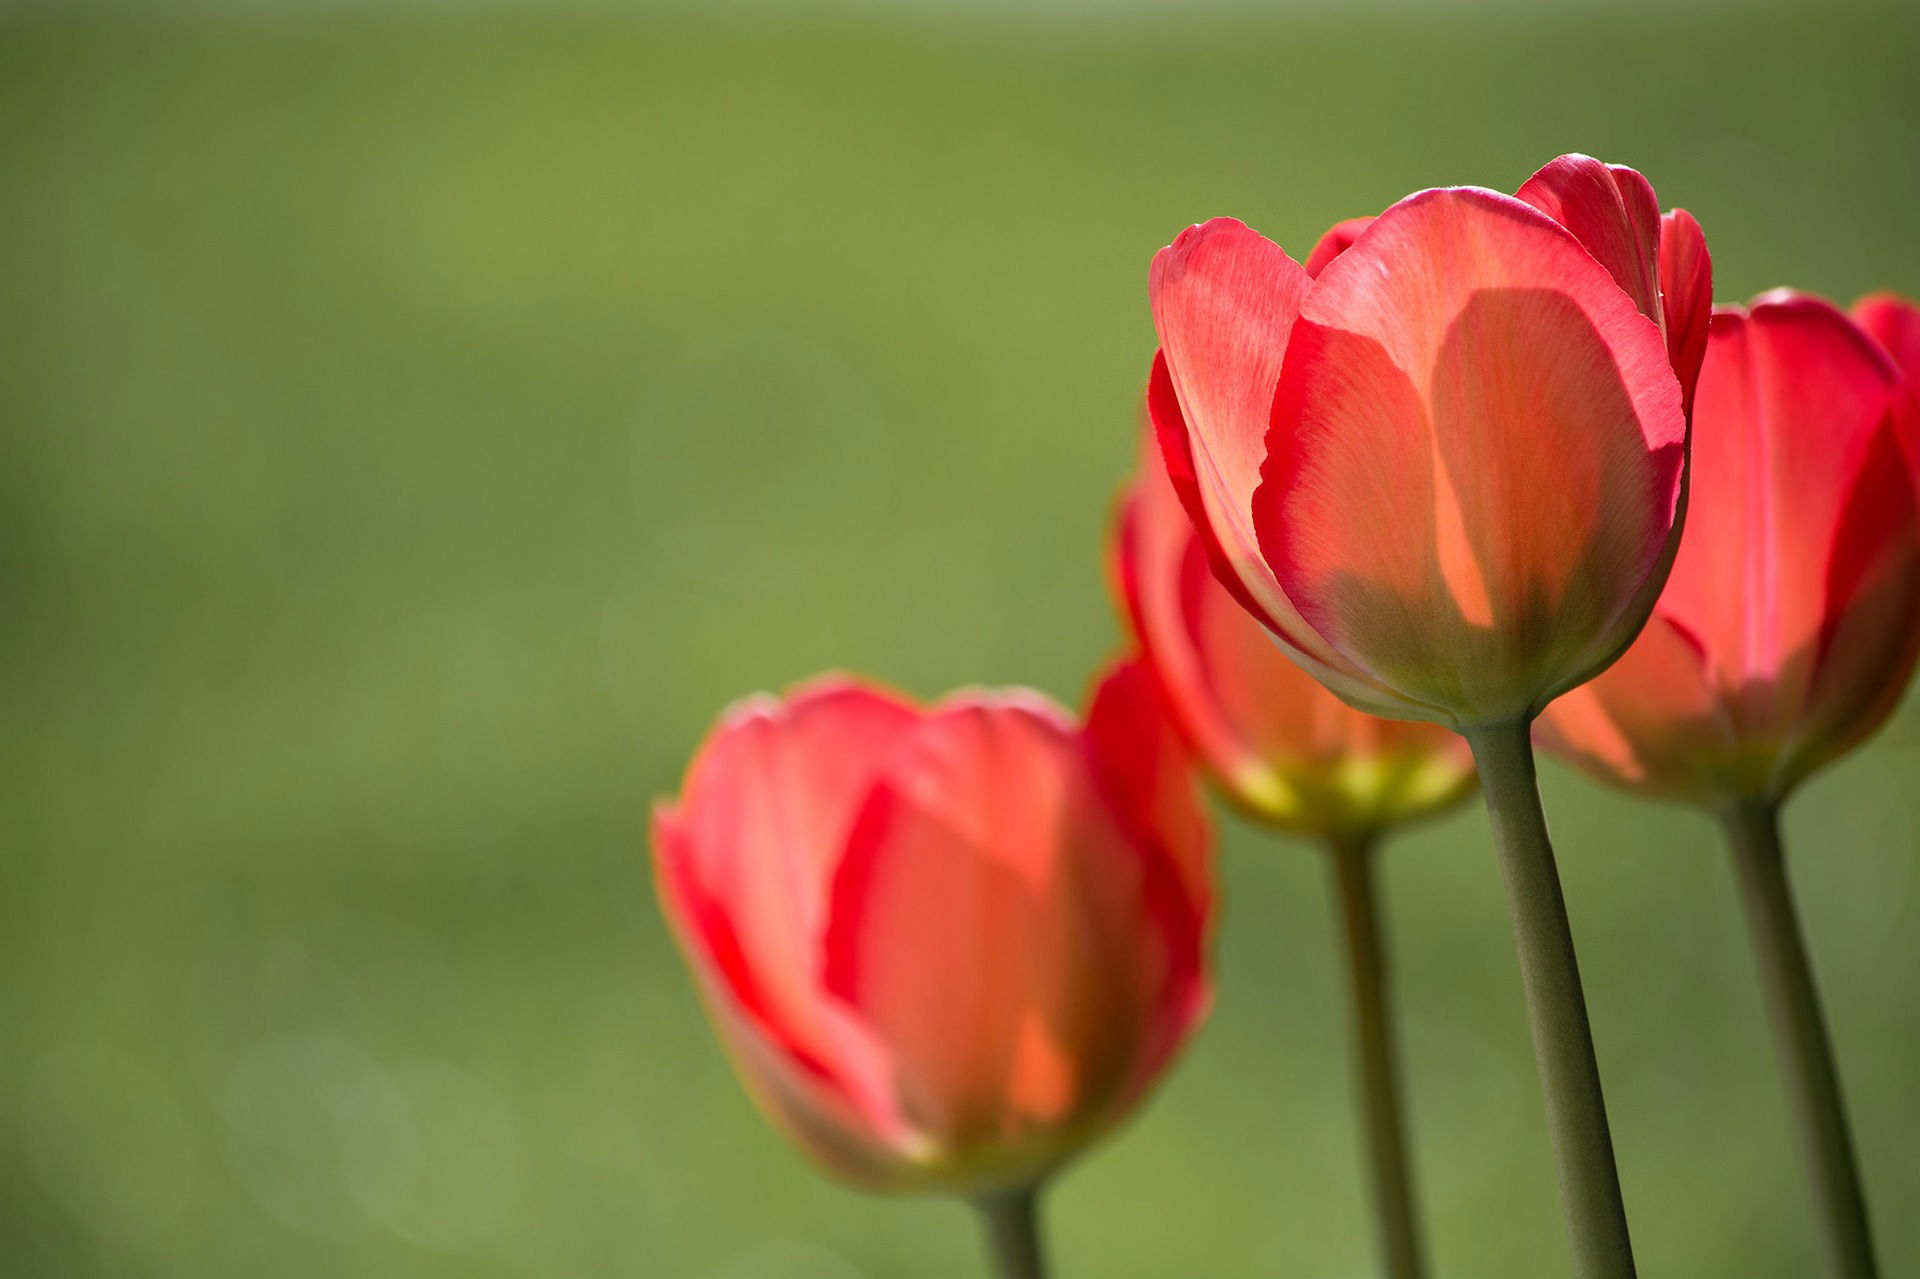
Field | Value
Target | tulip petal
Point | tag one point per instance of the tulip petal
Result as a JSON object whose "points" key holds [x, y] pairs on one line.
{"points": [[1870, 637], [1475, 459], [1338, 239], [1791, 400], [746, 858], [1140, 758], [1224, 300], [1177, 459], [1686, 296], [1612, 211], [1894, 323], [983, 929], [1654, 719], [1148, 775], [1216, 663], [1241, 570]]}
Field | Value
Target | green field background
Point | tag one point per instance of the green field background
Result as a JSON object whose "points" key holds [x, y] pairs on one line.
{"points": [[414, 427]]}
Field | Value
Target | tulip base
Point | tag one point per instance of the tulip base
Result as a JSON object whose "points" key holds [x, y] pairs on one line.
{"points": [[1800, 1034], [1010, 1221], [1374, 1056], [1562, 1038]]}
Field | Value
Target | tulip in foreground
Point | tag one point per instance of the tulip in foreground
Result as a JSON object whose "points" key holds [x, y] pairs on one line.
{"points": [[1297, 759], [1786, 636], [946, 946], [1444, 464]]}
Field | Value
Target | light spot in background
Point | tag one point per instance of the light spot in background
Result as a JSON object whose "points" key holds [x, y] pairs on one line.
{"points": [[107, 1139], [301, 1114], [788, 1260], [460, 1184]]}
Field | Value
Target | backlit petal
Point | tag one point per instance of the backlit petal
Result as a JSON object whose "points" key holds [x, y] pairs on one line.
{"points": [[1612, 211], [1686, 291], [1338, 239], [1475, 460], [983, 928]]}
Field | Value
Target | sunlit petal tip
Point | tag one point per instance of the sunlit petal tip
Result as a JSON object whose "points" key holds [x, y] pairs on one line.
{"points": [[1894, 322], [1338, 239], [987, 700]]}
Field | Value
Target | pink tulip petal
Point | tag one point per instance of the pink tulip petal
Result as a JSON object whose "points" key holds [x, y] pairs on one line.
{"points": [[1654, 719], [1138, 756], [1613, 212], [1894, 323], [1686, 290], [746, 857], [1791, 399], [984, 930], [1224, 300], [1336, 241], [1870, 637], [1241, 570]]}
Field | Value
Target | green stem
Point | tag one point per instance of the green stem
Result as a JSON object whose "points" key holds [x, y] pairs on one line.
{"points": [[1380, 1094], [1800, 1035], [1590, 1196], [1011, 1222]]}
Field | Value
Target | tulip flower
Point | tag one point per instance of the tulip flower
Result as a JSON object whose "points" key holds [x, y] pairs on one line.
{"points": [[947, 946], [1446, 469], [1786, 635], [1297, 759]]}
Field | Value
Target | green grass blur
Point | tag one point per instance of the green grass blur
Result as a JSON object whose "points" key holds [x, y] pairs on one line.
{"points": [[414, 429]]}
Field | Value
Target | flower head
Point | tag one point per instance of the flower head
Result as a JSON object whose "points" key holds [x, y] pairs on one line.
{"points": [[946, 945], [1446, 468]]}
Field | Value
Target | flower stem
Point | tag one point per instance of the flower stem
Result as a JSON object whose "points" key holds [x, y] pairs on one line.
{"points": [[1590, 1195], [1010, 1221], [1800, 1035], [1379, 1081]]}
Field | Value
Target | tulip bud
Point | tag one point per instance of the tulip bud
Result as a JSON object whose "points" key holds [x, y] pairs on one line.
{"points": [[1446, 467], [1789, 627], [1280, 746], [946, 946]]}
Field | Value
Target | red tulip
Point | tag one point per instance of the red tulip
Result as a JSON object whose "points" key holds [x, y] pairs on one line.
{"points": [[1445, 466], [1790, 625], [1281, 746], [947, 946]]}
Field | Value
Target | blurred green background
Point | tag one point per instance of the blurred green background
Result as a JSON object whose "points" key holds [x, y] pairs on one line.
{"points": [[415, 425]]}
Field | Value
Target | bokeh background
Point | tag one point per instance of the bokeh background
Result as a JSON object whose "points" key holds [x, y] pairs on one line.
{"points": [[418, 420]]}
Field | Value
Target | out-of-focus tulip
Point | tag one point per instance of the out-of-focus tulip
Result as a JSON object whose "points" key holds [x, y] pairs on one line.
{"points": [[1281, 747], [1789, 627], [1446, 465], [947, 946]]}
